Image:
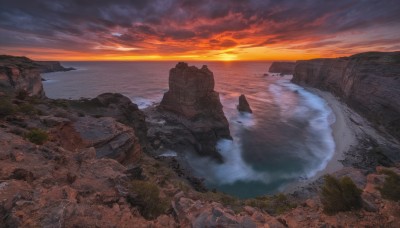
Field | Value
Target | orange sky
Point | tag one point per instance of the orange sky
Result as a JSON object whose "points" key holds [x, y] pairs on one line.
{"points": [[222, 30]]}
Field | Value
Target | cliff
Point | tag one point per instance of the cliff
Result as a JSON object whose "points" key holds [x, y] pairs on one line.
{"points": [[20, 74], [368, 82], [282, 67], [191, 97], [51, 66]]}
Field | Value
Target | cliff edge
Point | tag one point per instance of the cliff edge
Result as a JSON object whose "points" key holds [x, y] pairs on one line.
{"points": [[368, 82]]}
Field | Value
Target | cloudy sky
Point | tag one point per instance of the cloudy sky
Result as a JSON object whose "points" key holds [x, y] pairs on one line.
{"points": [[197, 29]]}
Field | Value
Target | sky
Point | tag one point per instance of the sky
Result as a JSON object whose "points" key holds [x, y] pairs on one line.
{"points": [[223, 30]]}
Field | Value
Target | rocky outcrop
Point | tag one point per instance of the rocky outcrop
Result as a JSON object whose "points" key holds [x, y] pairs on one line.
{"points": [[368, 82], [109, 138], [195, 104], [118, 107], [20, 74], [243, 105], [51, 66], [282, 67]]}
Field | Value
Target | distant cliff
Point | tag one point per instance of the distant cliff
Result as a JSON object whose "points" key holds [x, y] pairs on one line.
{"points": [[51, 66], [367, 82], [282, 67]]}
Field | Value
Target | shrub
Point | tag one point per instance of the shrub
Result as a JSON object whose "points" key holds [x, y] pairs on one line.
{"points": [[147, 199], [27, 109], [340, 195], [37, 136], [6, 107], [391, 187]]}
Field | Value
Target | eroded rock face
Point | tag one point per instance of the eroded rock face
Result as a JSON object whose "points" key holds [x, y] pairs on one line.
{"points": [[110, 138], [243, 104], [191, 93], [195, 104], [117, 106], [282, 67], [367, 82], [20, 73]]}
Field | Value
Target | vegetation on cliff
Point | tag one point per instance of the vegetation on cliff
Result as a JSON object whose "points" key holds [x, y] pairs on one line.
{"points": [[340, 195]]}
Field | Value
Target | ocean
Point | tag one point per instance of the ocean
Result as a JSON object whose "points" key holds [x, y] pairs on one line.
{"points": [[287, 139]]}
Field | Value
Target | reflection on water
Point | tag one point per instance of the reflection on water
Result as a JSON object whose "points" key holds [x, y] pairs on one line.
{"points": [[287, 137]]}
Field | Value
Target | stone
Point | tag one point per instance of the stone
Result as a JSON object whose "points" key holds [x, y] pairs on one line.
{"points": [[243, 104], [110, 138], [120, 108]]}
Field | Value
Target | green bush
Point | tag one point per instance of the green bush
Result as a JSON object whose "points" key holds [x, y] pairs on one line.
{"points": [[37, 136], [6, 107], [147, 199], [27, 109], [391, 187], [340, 195]]}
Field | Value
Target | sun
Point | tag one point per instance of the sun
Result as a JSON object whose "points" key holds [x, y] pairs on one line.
{"points": [[227, 57]]}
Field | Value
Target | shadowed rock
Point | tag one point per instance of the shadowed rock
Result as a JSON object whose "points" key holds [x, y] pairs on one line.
{"points": [[243, 104]]}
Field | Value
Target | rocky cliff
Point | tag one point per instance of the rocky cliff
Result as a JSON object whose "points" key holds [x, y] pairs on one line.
{"points": [[368, 82], [191, 97], [282, 67], [51, 66], [20, 74]]}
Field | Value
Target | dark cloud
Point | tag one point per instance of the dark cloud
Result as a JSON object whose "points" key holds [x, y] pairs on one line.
{"points": [[161, 25]]}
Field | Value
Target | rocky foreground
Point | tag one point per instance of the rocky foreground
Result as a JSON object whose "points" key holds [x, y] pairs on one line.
{"points": [[86, 163]]}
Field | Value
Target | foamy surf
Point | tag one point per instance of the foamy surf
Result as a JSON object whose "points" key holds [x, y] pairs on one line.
{"points": [[295, 105]]}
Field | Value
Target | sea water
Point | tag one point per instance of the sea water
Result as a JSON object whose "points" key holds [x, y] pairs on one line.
{"points": [[287, 139]]}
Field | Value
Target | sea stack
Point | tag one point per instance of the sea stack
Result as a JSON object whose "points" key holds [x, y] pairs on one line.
{"points": [[243, 104], [191, 96]]}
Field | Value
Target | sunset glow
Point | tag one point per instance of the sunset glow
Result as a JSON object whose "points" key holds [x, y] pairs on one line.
{"points": [[197, 30]]}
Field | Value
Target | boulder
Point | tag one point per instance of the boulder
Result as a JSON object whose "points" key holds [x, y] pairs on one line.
{"points": [[117, 106], [195, 104], [243, 104], [110, 138], [282, 67]]}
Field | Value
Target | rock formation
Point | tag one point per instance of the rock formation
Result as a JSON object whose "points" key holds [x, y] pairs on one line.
{"points": [[51, 66], [368, 82], [191, 97], [20, 74], [282, 67], [118, 107], [243, 104]]}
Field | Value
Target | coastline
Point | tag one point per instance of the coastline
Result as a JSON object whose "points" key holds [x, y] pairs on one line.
{"points": [[344, 134]]}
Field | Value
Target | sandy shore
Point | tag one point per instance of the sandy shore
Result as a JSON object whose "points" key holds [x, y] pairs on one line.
{"points": [[344, 134], [343, 130]]}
